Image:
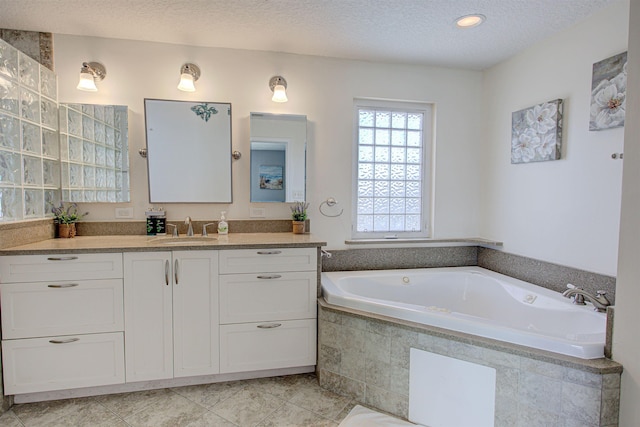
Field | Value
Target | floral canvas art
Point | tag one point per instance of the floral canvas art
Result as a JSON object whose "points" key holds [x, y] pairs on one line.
{"points": [[536, 133], [608, 93]]}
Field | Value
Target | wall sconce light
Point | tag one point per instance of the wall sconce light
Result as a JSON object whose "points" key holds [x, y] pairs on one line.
{"points": [[278, 86], [189, 73], [89, 73]]}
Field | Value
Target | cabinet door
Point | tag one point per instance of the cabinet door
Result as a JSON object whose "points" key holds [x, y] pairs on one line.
{"points": [[148, 289], [43, 309], [267, 345], [268, 260], [58, 363], [39, 268], [267, 296], [195, 313]]}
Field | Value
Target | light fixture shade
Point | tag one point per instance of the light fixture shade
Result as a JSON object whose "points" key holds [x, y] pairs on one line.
{"points": [[87, 82], [469, 21], [279, 87], [186, 83], [279, 94], [189, 73]]}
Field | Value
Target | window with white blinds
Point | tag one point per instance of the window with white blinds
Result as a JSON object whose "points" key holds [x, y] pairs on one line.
{"points": [[392, 170]]}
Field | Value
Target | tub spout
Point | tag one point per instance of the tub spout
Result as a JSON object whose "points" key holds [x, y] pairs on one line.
{"points": [[599, 301]]}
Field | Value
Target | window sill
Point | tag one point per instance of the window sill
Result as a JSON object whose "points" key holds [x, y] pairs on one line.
{"points": [[475, 241]]}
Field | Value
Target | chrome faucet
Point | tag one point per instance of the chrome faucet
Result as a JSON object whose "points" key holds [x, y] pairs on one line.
{"points": [[187, 220], [204, 228], [175, 230], [599, 301]]}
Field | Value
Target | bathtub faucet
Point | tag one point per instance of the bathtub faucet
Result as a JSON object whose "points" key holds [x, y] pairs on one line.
{"points": [[599, 301]]}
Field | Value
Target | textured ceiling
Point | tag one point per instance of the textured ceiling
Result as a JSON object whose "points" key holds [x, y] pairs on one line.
{"points": [[404, 31]]}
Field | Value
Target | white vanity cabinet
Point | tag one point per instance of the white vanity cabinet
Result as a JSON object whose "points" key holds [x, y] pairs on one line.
{"points": [[62, 321], [171, 314], [267, 308], [77, 324]]}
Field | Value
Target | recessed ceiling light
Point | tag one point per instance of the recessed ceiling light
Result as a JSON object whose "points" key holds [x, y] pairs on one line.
{"points": [[469, 21]]}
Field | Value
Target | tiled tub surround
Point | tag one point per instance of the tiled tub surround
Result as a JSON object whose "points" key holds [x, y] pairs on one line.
{"points": [[366, 357]]}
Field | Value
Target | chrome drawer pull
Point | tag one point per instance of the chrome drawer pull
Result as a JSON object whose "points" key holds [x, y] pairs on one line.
{"points": [[269, 252], [269, 276], [62, 258], [269, 325], [65, 285], [67, 341], [166, 272]]}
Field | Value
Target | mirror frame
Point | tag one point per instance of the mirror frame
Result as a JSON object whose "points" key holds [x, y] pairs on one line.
{"points": [[293, 168], [191, 171]]}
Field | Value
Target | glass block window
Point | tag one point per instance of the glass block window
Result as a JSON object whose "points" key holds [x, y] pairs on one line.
{"points": [[393, 154], [29, 146]]}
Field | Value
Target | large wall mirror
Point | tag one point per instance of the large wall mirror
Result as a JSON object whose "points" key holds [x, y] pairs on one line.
{"points": [[278, 157], [188, 151], [94, 151]]}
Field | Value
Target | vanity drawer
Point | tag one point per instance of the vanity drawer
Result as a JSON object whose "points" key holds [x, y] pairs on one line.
{"points": [[41, 309], [37, 268], [268, 296], [267, 345], [268, 260], [57, 363]]}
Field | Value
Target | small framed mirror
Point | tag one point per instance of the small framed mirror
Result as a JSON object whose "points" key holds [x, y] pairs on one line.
{"points": [[188, 151], [278, 157]]}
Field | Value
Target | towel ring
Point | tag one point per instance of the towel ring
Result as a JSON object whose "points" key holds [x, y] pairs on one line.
{"points": [[330, 202]]}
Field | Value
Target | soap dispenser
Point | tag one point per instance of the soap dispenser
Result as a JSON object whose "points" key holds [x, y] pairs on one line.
{"points": [[223, 227]]}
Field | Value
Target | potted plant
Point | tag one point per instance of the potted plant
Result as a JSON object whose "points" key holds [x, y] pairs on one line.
{"points": [[299, 216], [66, 219]]}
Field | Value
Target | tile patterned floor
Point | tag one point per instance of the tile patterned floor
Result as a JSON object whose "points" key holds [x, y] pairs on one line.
{"points": [[295, 400]]}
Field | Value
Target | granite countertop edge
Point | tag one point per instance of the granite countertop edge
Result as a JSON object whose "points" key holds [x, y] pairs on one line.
{"points": [[143, 243]]}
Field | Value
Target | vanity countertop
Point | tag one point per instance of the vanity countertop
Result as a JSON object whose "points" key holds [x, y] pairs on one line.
{"points": [[88, 244]]}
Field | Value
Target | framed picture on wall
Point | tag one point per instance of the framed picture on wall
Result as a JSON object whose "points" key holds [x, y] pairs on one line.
{"points": [[271, 177], [608, 93], [536, 133]]}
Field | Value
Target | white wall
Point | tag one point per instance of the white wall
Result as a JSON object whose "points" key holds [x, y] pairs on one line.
{"points": [[626, 337], [321, 88], [565, 211]]}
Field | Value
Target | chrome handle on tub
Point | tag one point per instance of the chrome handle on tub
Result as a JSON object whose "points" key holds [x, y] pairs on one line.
{"points": [[269, 276], [64, 285], [67, 341], [166, 272], [175, 270], [269, 325], [62, 258], [269, 252]]}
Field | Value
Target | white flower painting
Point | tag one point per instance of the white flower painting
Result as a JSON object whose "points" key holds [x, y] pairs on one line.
{"points": [[608, 93], [536, 133]]}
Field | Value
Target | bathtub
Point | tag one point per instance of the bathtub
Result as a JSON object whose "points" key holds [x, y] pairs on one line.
{"points": [[475, 301]]}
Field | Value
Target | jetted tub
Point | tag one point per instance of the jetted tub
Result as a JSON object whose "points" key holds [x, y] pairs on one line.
{"points": [[476, 301]]}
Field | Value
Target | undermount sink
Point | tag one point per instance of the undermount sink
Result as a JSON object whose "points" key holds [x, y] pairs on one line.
{"points": [[183, 240]]}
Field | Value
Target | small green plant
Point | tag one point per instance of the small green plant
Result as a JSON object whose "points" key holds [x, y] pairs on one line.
{"points": [[299, 211], [68, 215]]}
